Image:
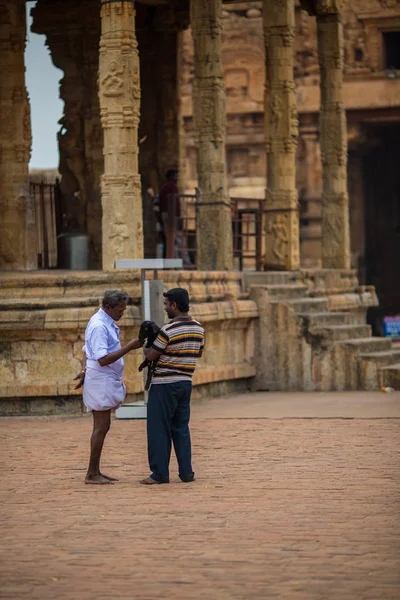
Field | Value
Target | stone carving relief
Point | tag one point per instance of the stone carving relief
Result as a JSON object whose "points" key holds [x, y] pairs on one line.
{"points": [[276, 113], [6, 121], [119, 232], [333, 225], [27, 124], [306, 64], [237, 83], [135, 85], [113, 83], [294, 121], [18, 94], [19, 153], [277, 227], [238, 162], [356, 57]]}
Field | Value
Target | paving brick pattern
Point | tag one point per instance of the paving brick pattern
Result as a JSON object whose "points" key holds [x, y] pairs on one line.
{"points": [[293, 508]]}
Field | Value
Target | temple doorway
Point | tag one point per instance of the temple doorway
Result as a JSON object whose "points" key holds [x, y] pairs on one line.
{"points": [[381, 174]]}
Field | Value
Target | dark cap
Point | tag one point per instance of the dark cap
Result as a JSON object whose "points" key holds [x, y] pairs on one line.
{"points": [[180, 296]]}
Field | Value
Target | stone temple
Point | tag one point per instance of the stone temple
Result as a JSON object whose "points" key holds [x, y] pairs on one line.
{"points": [[143, 95]]}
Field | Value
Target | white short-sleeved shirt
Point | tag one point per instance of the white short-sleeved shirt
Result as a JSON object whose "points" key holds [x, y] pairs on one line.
{"points": [[101, 338]]}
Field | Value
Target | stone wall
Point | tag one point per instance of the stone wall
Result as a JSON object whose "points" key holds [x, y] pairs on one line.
{"points": [[301, 330], [43, 319]]}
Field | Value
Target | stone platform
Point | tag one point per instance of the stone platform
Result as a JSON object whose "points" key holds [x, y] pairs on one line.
{"points": [[295, 498], [292, 330], [43, 316]]}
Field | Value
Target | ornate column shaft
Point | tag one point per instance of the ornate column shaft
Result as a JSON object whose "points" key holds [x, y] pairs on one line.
{"points": [[281, 132], [18, 249], [74, 49], [119, 94], [214, 220], [333, 140]]}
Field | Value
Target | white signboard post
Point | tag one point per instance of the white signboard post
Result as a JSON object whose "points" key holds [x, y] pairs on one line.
{"points": [[152, 310]]}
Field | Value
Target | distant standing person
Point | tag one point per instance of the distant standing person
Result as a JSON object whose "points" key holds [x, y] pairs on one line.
{"points": [[101, 375], [180, 343], [169, 206]]}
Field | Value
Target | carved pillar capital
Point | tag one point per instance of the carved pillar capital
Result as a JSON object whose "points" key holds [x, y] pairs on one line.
{"points": [[329, 7]]}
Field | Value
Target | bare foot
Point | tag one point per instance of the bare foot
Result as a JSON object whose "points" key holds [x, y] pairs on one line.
{"points": [[97, 480], [149, 481], [108, 477]]}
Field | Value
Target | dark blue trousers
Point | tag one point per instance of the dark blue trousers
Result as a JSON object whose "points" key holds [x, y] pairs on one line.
{"points": [[168, 414]]}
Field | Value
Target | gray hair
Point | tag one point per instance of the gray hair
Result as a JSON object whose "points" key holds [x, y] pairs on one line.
{"points": [[113, 298]]}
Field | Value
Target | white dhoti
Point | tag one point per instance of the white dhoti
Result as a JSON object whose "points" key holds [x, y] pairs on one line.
{"points": [[103, 388]]}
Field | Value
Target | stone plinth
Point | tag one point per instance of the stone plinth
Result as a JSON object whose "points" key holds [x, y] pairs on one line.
{"points": [[43, 319]]}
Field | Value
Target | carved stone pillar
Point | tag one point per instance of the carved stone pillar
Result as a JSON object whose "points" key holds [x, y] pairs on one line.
{"points": [[18, 249], [214, 220], [310, 184], [158, 32], [333, 139], [119, 93], [74, 49], [281, 131]]}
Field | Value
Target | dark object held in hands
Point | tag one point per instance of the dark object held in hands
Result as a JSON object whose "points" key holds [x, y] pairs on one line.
{"points": [[148, 331]]}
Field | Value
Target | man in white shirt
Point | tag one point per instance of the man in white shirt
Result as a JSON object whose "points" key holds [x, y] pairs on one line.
{"points": [[101, 375]]}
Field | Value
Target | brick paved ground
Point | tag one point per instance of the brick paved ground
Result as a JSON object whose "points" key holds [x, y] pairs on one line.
{"points": [[295, 508]]}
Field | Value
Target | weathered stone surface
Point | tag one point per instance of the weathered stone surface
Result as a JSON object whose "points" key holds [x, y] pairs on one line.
{"points": [[74, 49], [368, 94], [306, 342], [119, 94], [281, 216], [335, 203], [214, 229], [17, 209], [41, 342]]}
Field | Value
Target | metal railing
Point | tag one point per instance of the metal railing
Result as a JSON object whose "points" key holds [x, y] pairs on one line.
{"points": [[46, 198], [246, 232]]}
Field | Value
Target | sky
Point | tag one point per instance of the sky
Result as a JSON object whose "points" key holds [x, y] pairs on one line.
{"points": [[42, 82]]}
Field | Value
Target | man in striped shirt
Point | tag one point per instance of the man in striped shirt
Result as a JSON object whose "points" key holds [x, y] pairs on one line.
{"points": [[179, 345]]}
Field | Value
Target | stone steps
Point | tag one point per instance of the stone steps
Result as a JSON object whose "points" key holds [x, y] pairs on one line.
{"points": [[361, 360], [383, 358], [46, 303], [368, 344], [370, 366], [318, 319], [389, 376], [267, 278], [321, 340], [337, 333], [283, 291], [304, 305]]}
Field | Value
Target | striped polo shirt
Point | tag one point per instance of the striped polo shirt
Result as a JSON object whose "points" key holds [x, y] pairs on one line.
{"points": [[180, 342]]}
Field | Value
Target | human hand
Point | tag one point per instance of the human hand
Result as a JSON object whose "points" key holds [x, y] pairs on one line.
{"points": [[136, 343], [80, 378]]}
